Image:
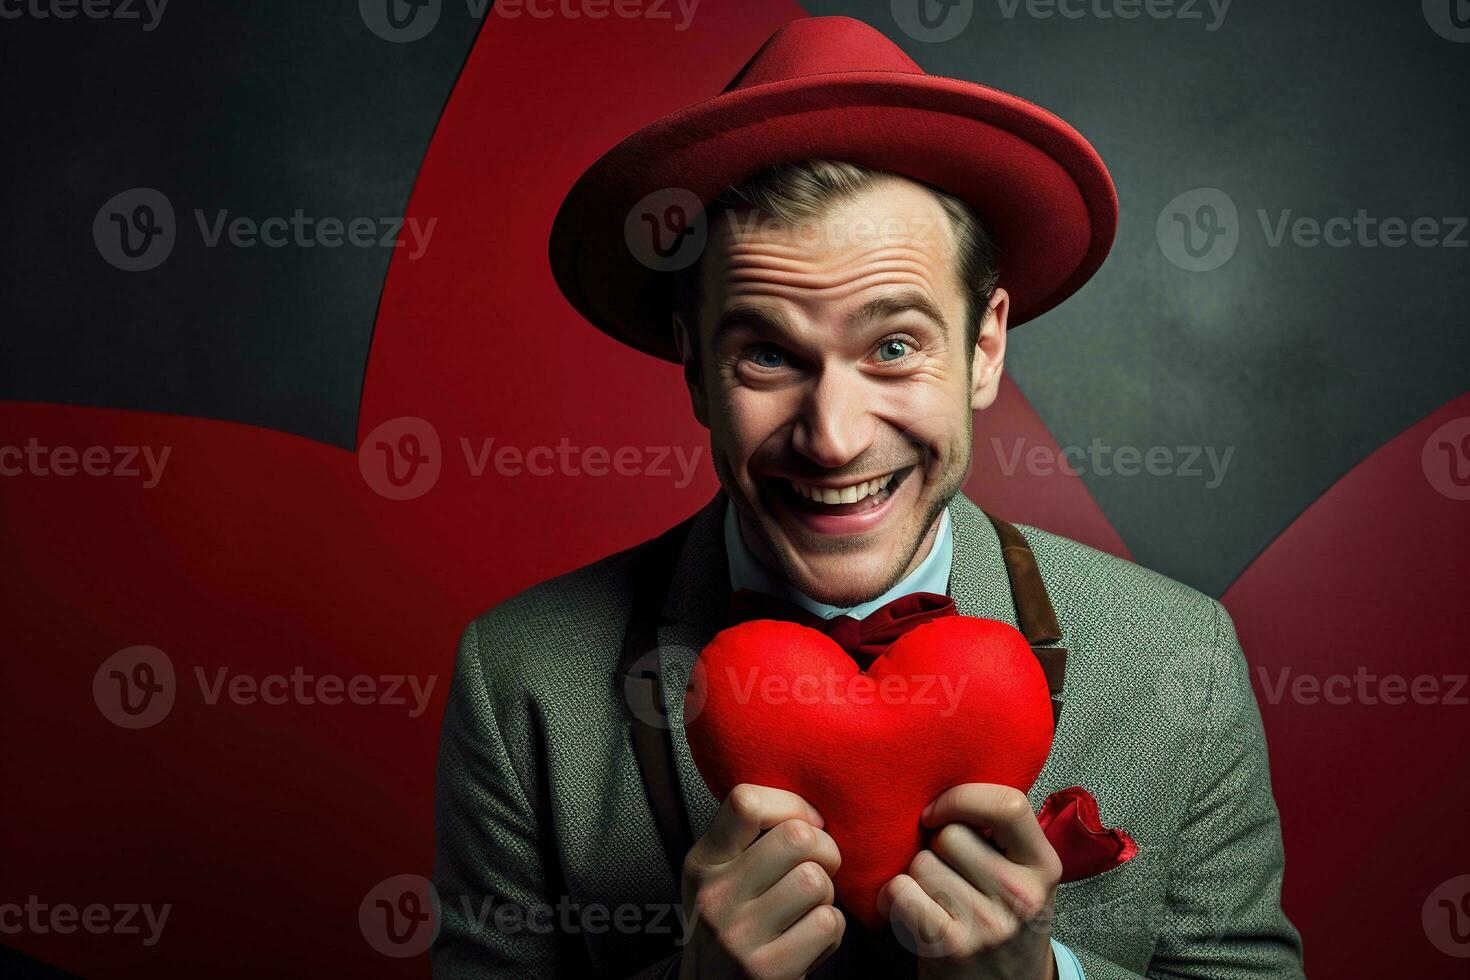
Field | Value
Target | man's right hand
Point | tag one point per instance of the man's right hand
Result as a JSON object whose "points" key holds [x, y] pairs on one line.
{"points": [[757, 889]]}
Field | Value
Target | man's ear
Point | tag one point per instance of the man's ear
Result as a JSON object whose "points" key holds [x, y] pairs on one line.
{"points": [[693, 376], [990, 352]]}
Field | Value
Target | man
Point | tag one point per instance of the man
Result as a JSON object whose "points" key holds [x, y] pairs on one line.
{"points": [[871, 234]]}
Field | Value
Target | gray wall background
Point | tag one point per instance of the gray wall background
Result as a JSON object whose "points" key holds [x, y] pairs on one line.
{"points": [[1303, 360]]}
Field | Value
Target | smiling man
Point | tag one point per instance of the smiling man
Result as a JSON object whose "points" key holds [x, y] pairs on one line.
{"points": [[841, 368], [862, 237]]}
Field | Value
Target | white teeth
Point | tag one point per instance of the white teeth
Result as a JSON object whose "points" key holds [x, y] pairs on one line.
{"points": [[843, 495]]}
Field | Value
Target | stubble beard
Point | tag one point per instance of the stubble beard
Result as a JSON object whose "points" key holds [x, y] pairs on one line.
{"points": [[777, 559]]}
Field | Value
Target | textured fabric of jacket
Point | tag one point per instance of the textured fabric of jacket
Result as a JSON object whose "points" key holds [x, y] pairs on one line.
{"points": [[548, 860]]}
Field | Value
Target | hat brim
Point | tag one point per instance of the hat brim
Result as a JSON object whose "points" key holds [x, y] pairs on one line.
{"points": [[1044, 194]]}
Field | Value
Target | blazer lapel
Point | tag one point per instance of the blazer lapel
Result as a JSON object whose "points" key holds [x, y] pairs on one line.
{"points": [[977, 575], [693, 611]]}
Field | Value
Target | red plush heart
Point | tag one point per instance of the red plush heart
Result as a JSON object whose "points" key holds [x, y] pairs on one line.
{"points": [[956, 700]]}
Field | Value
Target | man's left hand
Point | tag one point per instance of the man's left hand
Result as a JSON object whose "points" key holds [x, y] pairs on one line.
{"points": [[978, 908]]}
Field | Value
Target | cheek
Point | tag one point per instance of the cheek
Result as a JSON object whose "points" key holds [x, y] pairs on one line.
{"points": [[932, 416], [938, 446], [751, 417]]}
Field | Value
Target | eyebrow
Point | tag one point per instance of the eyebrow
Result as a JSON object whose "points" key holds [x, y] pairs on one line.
{"points": [[746, 315], [889, 306], [877, 309]]}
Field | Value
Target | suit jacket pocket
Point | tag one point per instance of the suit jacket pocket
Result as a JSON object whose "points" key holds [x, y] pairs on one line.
{"points": [[1118, 914]]}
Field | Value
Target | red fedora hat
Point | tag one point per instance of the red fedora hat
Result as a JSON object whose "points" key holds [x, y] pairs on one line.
{"points": [[831, 88]]}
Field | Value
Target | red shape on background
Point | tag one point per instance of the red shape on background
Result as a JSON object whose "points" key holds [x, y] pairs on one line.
{"points": [[266, 826], [1372, 796]]}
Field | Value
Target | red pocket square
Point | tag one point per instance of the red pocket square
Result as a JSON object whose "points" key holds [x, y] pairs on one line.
{"points": [[1071, 821]]}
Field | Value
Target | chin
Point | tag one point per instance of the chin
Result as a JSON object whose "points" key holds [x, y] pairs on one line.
{"points": [[839, 541], [845, 569], [845, 590]]}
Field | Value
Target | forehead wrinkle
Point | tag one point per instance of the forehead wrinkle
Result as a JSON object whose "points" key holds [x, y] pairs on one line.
{"points": [[834, 286], [821, 278], [795, 289], [818, 273], [753, 266], [826, 280], [752, 252], [744, 264], [742, 310]]}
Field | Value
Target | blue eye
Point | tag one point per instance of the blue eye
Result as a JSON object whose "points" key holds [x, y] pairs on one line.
{"points": [[767, 357], [892, 350]]}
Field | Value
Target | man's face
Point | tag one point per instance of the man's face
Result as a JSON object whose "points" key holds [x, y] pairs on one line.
{"points": [[834, 379]]}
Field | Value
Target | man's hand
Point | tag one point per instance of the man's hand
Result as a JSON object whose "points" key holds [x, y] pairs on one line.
{"points": [[975, 908], [757, 888]]}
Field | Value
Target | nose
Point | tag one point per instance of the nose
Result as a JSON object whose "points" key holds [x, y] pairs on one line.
{"points": [[834, 425]]}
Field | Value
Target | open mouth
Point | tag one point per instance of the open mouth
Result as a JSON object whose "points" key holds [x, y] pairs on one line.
{"points": [[832, 508]]}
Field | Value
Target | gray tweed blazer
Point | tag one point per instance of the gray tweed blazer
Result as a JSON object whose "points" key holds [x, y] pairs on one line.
{"points": [[548, 863]]}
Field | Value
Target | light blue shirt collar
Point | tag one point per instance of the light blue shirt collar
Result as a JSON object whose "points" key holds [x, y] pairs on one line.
{"points": [[746, 572]]}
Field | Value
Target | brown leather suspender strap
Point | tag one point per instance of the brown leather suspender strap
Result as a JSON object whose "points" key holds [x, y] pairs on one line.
{"points": [[652, 746], [1034, 612], [643, 691]]}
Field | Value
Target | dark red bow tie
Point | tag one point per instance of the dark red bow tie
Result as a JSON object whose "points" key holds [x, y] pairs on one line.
{"points": [[865, 639]]}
